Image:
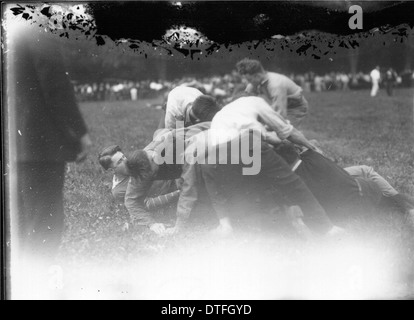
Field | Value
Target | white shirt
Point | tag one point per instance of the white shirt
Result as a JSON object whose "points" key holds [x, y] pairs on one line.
{"points": [[247, 113], [179, 100], [375, 75], [116, 180]]}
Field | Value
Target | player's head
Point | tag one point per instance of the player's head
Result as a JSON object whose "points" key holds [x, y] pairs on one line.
{"points": [[139, 166], [204, 109], [113, 158], [251, 70]]}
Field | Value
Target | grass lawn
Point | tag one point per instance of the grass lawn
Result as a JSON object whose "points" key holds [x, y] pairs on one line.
{"points": [[101, 259]]}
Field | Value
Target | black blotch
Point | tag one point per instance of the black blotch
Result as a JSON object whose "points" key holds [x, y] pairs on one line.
{"points": [[99, 40], [46, 12], [18, 10], [303, 49]]}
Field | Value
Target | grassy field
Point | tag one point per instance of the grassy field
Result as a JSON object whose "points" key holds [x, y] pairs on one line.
{"points": [[102, 259]]}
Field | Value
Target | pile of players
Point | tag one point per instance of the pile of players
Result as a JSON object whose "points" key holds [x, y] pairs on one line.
{"points": [[251, 145]]}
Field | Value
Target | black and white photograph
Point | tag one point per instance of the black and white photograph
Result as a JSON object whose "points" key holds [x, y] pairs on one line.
{"points": [[183, 151]]}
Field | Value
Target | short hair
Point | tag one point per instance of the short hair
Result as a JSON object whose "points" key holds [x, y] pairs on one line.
{"points": [[205, 108], [139, 165], [288, 152], [249, 66], [238, 95], [105, 156]]}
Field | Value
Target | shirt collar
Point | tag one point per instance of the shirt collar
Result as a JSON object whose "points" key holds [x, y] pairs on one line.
{"points": [[265, 81]]}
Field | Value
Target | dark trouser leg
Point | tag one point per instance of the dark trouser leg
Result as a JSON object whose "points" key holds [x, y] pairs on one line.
{"points": [[219, 187], [276, 172], [404, 202], [40, 208]]}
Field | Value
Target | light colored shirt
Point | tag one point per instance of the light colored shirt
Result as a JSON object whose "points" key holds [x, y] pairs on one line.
{"points": [[180, 99], [375, 75], [119, 186], [279, 91], [244, 114]]}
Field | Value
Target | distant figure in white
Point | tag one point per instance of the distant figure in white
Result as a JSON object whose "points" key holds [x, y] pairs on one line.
{"points": [[134, 94], [375, 79]]}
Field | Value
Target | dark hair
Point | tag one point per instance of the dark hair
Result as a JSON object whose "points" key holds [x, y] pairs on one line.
{"points": [[288, 152], [205, 108], [238, 95], [105, 156], [249, 66], [139, 165]]}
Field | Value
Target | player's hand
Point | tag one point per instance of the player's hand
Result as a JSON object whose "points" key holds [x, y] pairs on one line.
{"points": [[158, 228], [178, 228], [225, 228], [86, 144], [272, 138]]}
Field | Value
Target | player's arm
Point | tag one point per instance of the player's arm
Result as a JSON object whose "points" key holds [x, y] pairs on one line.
{"points": [[161, 201], [297, 137], [188, 197], [170, 119], [135, 203], [279, 101], [282, 128], [273, 120]]}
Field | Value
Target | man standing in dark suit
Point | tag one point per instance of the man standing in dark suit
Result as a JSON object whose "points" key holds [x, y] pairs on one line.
{"points": [[45, 130]]}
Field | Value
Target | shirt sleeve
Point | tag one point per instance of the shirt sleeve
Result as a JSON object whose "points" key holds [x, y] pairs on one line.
{"points": [[170, 119], [274, 121], [135, 196], [171, 111], [279, 100]]}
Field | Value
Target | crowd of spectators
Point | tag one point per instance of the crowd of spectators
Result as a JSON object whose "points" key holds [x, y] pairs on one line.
{"points": [[223, 87]]}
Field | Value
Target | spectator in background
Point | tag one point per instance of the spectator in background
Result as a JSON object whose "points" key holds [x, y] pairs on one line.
{"points": [[375, 80], [390, 81], [46, 131], [283, 95], [344, 79], [318, 82], [134, 94]]}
